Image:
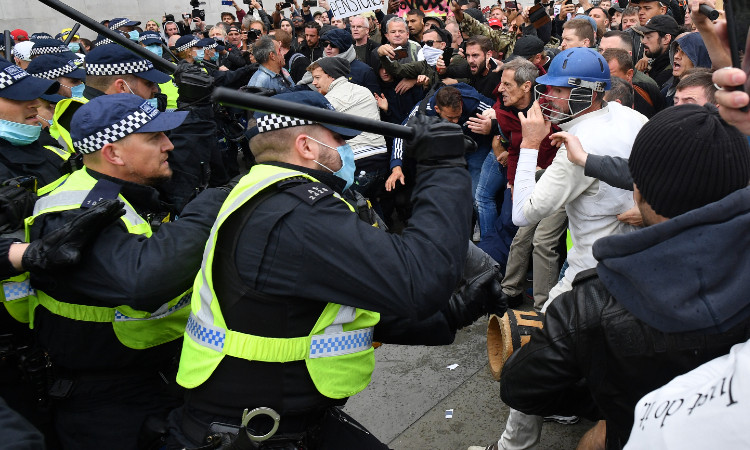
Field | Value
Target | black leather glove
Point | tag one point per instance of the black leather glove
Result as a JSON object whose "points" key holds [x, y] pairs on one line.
{"points": [[434, 139], [479, 292], [16, 203], [63, 246]]}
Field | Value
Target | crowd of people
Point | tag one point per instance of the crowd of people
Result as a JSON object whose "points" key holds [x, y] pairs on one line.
{"points": [[170, 262]]}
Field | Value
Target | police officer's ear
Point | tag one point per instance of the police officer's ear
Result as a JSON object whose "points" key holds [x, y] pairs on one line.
{"points": [[120, 86], [303, 148], [111, 154]]}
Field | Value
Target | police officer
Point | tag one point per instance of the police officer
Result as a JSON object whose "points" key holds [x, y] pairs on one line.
{"points": [[112, 326], [110, 69], [289, 269], [21, 153]]}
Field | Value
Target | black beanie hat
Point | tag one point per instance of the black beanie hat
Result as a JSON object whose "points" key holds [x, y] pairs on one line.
{"points": [[686, 157], [334, 66]]}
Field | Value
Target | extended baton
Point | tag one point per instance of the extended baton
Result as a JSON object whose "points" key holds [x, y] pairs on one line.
{"points": [[8, 54], [257, 102], [93, 25], [72, 33]]}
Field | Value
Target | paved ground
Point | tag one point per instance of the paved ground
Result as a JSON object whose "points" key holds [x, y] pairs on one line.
{"points": [[412, 388]]}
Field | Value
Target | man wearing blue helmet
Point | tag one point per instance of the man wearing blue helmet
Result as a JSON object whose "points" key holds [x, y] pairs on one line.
{"points": [[571, 95]]}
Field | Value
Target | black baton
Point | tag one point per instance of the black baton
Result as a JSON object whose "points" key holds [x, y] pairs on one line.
{"points": [[261, 103], [8, 54], [72, 33], [93, 25]]}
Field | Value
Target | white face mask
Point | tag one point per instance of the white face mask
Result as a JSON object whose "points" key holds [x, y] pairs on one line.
{"points": [[431, 55]]}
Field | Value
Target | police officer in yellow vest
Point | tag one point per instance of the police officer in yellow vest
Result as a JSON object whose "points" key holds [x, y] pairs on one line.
{"points": [[294, 287], [112, 325], [110, 69]]}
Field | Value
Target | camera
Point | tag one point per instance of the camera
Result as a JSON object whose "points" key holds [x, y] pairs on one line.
{"points": [[197, 12], [252, 35], [310, 3]]}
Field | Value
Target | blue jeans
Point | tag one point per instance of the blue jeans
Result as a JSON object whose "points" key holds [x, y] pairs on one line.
{"points": [[497, 241], [492, 180], [474, 161]]}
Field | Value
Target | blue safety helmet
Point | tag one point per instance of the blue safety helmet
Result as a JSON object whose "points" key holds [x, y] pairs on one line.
{"points": [[584, 71]]}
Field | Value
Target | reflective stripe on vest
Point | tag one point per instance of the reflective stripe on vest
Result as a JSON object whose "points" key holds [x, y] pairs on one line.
{"points": [[337, 352], [58, 151], [246, 346], [73, 199], [16, 293], [133, 328]]}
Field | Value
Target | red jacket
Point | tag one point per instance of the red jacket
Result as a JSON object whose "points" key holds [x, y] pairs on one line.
{"points": [[510, 125]]}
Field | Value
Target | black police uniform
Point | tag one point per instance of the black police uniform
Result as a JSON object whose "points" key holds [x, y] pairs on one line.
{"points": [[276, 267], [29, 160], [107, 390]]}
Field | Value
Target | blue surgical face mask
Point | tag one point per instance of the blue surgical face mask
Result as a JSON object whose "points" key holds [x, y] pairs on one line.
{"points": [[74, 47], [77, 91], [153, 102], [19, 133], [134, 35], [215, 56], [346, 154], [156, 48], [199, 55]]}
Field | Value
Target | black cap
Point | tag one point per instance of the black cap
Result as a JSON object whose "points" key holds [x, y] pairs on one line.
{"points": [[335, 67], [528, 46], [661, 23], [686, 157]]}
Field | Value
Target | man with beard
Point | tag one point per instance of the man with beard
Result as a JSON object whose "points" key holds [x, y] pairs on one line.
{"points": [[482, 78], [658, 34]]}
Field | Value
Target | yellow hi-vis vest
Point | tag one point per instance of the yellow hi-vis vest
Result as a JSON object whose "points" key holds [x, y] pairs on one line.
{"points": [[170, 90], [56, 130], [133, 328], [338, 351]]}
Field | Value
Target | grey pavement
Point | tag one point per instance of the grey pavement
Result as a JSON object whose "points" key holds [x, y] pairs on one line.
{"points": [[412, 388]]}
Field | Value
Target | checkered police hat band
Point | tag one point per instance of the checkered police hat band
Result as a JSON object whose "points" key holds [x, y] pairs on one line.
{"points": [[210, 46], [116, 25], [273, 122], [36, 51], [56, 72], [113, 133], [7, 80], [119, 68], [187, 46], [145, 37], [104, 41]]}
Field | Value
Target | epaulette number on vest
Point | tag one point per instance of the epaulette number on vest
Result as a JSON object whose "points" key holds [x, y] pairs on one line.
{"points": [[310, 192]]}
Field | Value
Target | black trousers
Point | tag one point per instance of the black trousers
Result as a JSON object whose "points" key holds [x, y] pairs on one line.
{"points": [[110, 412], [334, 430]]}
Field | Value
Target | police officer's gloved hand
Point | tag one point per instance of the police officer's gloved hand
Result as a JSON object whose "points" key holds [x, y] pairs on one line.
{"points": [[435, 142], [479, 296], [479, 292], [63, 246]]}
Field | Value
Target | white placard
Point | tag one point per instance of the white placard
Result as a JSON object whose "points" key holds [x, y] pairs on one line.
{"points": [[346, 8]]}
